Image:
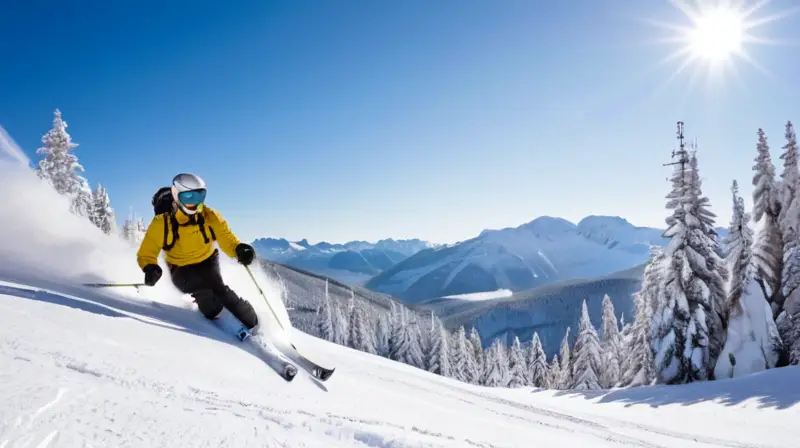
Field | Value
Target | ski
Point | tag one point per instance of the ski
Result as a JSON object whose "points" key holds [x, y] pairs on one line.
{"points": [[264, 350], [274, 358], [314, 369]]}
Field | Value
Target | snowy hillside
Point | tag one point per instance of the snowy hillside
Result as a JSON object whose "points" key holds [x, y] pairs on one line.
{"points": [[353, 262], [113, 369], [548, 309], [545, 250]]}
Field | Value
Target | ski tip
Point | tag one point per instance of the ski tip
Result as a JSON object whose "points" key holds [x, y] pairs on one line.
{"points": [[289, 372], [324, 374]]}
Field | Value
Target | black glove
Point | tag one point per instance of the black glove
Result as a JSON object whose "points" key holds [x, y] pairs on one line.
{"points": [[152, 272], [245, 253]]}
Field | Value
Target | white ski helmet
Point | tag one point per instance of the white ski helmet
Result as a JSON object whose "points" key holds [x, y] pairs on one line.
{"points": [[189, 192]]}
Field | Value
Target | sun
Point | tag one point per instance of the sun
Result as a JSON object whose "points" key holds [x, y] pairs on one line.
{"points": [[717, 35]]}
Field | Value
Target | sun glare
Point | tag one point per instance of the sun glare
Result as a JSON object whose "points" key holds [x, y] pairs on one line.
{"points": [[717, 34]]}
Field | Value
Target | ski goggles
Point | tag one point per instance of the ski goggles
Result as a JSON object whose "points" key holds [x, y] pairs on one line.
{"points": [[192, 197]]}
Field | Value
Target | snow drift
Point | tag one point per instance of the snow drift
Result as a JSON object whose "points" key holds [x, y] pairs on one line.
{"points": [[42, 241]]}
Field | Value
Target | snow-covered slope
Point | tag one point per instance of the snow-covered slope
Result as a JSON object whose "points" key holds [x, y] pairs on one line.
{"points": [[101, 371], [353, 262], [83, 367]]}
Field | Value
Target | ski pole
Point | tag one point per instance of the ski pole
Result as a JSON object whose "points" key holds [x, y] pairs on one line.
{"points": [[260, 291], [113, 285]]}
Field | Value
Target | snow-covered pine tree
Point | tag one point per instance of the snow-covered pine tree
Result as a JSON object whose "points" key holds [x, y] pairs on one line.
{"points": [[753, 343], [740, 244], [789, 218], [382, 337], [537, 364], [458, 356], [768, 245], [398, 342], [517, 366], [638, 368], [414, 355], [341, 330], [361, 331], [353, 322], [472, 373], [612, 346], [325, 328], [103, 215], [714, 273], [477, 354], [554, 373], [60, 167], [496, 365], [82, 201], [438, 356], [565, 357], [587, 355], [789, 329], [688, 331]]}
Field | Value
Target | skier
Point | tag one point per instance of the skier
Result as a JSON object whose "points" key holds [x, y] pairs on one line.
{"points": [[181, 227]]}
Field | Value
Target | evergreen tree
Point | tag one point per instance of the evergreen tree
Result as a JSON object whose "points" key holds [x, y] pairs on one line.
{"points": [[102, 214], [565, 357], [555, 375], [361, 331], [496, 365], [789, 218], [458, 357], [414, 355], [739, 242], [439, 352], [638, 368], [60, 167], [612, 346], [398, 343], [478, 355], [688, 331], [752, 336], [472, 373], [517, 365], [537, 364], [588, 359], [325, 327], [713, 272], [340, 330], [382, 337], [789, 329], [354, 322], [768, 245]]}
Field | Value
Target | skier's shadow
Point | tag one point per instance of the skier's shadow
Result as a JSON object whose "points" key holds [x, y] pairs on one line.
{"points": [[99, 302]]}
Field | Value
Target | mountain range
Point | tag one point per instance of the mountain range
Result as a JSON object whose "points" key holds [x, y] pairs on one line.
{"points": [[543, 251], [353, 262]]}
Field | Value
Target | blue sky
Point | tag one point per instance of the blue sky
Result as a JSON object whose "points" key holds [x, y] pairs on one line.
{"points": [[364, 120]]}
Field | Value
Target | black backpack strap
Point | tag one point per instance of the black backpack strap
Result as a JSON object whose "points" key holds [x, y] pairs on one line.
{"points": [[173, 222], [201, 221]]}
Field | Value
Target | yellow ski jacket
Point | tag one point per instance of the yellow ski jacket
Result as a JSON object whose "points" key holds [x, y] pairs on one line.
{"points": [[190, 247]]}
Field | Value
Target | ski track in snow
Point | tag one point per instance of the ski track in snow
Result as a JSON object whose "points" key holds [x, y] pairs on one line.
{"points": [[92, 380]]}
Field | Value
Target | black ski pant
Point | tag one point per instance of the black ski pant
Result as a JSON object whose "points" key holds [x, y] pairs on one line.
{"points": [[204, 282]]}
